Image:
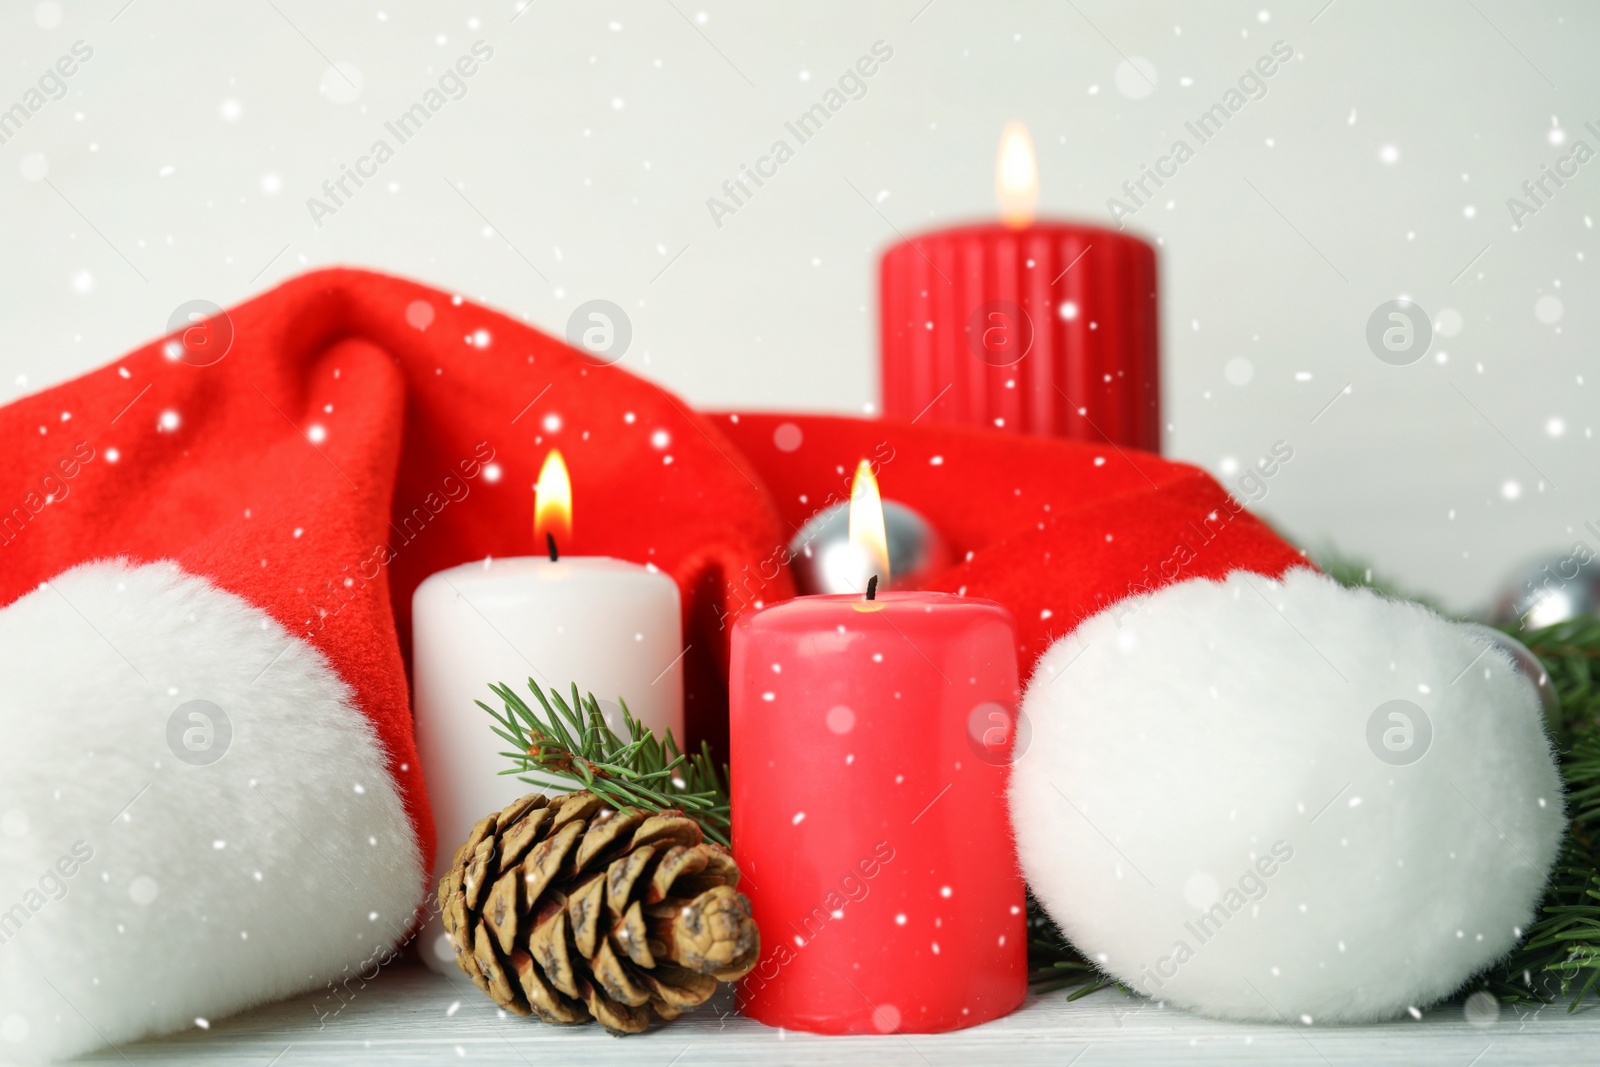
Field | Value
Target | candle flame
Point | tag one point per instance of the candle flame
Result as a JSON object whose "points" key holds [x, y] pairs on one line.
{"points": [[867, 535], [1016, 177], [552, 510]]}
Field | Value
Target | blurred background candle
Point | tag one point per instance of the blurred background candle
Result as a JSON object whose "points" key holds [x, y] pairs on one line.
{"points": [[869, 742], [1027, 326], [611, 626]]}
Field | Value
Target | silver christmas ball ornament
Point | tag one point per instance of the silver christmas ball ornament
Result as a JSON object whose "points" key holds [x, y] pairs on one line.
{"points": [[1527, 665], [824, 561], [1551, 591]]}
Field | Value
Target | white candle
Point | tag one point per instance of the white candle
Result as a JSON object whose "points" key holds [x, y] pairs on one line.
{"points": [[612, 627]]}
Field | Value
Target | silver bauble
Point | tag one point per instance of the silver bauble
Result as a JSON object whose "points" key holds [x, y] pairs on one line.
{"points": [[824, 561], [1527, 665], [1551, 591]]}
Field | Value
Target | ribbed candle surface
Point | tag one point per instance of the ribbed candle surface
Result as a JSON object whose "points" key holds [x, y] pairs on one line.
{"points": [[1049, 330]]}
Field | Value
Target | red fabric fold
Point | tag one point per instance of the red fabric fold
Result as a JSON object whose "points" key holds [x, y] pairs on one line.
{"points": [[1054, 530], [361, 433], [364, 431]]}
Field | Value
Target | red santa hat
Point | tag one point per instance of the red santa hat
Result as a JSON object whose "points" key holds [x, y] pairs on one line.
{"points": [[211, 796], [207, 555]]}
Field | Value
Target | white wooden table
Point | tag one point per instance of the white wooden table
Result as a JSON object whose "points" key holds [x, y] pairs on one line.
{"points": [[411, 1016]]}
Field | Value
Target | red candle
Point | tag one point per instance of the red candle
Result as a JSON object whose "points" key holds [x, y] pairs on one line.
{"points": [[1025, 326], [869, 745]]}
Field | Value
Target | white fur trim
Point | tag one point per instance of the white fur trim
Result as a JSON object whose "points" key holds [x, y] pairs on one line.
{"points": [[1180, 737], [206, 888]]}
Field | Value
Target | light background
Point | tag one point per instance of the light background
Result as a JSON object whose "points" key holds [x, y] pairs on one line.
{"points": [[1378, 164]]}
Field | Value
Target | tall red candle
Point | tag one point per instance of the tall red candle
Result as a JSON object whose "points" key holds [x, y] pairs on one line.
{"points": [[869, 741], [1026, 326]]}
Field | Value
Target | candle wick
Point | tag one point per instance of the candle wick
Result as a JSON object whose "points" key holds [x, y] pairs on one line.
{"points": [[872, 588], [550, 542]]}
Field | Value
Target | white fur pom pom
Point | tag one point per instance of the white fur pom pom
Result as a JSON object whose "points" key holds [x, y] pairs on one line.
{"points": [[1285, 801], [195, 815]]}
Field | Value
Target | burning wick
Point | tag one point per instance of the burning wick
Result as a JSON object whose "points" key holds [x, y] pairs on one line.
{"points": [[869, 540], [552, 508]]}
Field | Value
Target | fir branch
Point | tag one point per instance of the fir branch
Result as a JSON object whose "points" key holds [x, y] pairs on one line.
{"points": [[1569, 651], [1053, 963], [573, 741], [1559, 956]]}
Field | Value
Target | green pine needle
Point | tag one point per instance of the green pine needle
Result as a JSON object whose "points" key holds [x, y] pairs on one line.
{"points": [[573, 741], [1560, 953], [1053, 964]]}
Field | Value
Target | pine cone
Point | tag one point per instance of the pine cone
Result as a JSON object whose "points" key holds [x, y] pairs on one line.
{"points": [[568, 909]]}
